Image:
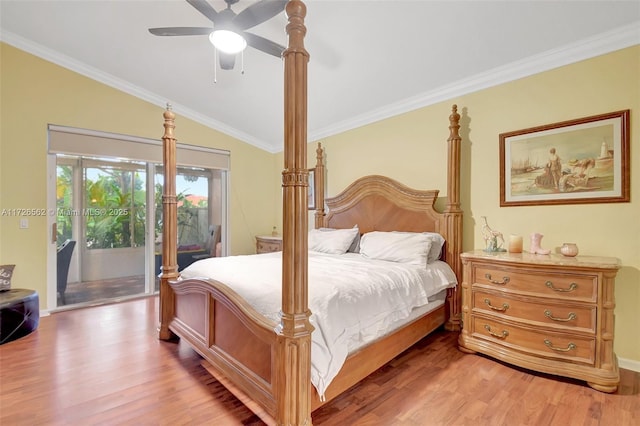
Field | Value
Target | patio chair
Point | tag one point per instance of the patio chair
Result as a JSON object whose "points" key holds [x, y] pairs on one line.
{"points": [[211, 244], [64, 260]]}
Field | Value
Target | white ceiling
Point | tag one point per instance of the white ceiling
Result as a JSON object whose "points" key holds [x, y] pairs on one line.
{"points": [[369, 59]]}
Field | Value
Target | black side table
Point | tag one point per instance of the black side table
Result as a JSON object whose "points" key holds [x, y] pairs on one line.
{"points": [[19, 313]]}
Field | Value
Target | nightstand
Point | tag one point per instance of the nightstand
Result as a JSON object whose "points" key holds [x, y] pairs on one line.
{"points": [[547, 313], [268, 244]]}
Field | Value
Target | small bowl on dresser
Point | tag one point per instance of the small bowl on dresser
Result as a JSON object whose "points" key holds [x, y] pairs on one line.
{"points": [[569, 249]]}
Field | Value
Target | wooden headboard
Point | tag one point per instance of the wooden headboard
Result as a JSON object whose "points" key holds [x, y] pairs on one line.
{"points": [[379, 203]]}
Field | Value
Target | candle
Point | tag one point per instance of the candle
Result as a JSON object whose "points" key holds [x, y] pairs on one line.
{"points": [[515, 244]]}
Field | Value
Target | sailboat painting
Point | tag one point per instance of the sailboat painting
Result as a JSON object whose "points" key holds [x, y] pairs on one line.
{"points": [[585, 160]]}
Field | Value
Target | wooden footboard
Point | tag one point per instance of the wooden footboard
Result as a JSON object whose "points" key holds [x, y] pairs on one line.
{"points": [[241, 351], [238, 342]]}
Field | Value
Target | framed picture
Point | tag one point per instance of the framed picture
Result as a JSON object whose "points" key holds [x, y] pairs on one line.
{"points": [[311, 200], [572, 162]]}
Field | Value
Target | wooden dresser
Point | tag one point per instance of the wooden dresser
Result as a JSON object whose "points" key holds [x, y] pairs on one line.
{"points": [[268, 244], [548, 313]]}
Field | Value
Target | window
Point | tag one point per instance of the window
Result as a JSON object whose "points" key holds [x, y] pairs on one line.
{"points": [[195, 212], [114, 210]]}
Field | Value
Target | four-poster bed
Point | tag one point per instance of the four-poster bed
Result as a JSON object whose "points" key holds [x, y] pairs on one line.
{"points": [[266, 362]]}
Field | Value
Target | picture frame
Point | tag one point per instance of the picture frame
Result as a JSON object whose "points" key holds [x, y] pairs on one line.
{"points": [[579, 161], [311, 197]]}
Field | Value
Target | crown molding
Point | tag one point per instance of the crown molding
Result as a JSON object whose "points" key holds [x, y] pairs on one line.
{"points": [[591, 47]]}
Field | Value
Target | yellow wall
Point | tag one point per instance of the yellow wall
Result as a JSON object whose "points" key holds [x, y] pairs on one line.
{"points": [[35, 93], [412, 149]]}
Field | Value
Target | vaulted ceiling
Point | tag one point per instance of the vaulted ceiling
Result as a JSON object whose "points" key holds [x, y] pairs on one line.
{"points": [[369, 59]]}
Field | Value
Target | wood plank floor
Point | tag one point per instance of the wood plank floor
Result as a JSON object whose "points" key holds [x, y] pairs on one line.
{"points": [[104, 366]]}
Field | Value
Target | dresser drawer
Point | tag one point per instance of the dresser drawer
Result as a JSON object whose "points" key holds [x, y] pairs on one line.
{"points": [[267, 247], [268, 244], [543, 312], [542, 283], [535, 341]]}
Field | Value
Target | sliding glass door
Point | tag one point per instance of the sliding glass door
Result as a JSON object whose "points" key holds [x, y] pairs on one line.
{"points": [[107, 230], [104, 208]]}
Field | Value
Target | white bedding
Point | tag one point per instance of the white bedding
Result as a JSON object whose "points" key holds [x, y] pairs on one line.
{"points": [[353, 300]]}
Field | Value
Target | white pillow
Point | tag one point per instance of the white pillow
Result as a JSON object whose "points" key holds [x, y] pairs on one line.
{"points": [[437, 242], [332, 241], [405, 247], [355, 244]]}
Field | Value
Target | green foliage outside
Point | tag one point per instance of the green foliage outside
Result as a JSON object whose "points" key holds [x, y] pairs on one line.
{"points": [[64, 204], [115, 209]]}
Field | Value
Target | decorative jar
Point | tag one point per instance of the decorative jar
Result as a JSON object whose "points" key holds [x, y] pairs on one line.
{"points": [[515, 244], [569, 249]]}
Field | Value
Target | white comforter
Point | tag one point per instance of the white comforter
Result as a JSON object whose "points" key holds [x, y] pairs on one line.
{"points": [[352, 299]]}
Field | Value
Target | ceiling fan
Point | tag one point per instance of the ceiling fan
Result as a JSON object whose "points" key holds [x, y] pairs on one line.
{"points": [[228, 33]]}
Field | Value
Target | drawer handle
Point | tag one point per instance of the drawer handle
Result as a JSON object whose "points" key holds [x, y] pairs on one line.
{"points": [[504, 334], [572, 287], [492, 281], [571, 346], [572, 316], [503, 308]]}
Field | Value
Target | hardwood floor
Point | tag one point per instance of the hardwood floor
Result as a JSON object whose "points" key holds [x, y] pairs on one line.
{"points": [[104, 366]]}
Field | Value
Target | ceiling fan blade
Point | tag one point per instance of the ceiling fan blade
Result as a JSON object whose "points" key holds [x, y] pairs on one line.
{"points": [[258, 13], [264, 45], [180, 31], [227, 61], [205, 8]]}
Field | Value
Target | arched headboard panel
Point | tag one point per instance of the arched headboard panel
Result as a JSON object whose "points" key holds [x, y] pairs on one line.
{"points": [[379, 203]]}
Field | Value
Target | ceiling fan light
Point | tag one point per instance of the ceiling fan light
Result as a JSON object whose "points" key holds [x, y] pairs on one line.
{"points": [[227, 41]]}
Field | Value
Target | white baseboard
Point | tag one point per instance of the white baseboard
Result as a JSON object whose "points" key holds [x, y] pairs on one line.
{"points": [[629, 364]]}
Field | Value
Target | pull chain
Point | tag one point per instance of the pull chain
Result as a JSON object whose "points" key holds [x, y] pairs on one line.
{"points": [[242, 62], [215, 65]]}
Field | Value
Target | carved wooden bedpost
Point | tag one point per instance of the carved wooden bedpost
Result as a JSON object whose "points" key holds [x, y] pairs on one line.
{"points": [[169, 226], [293, 369], [319, 186], [453, 215]]}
